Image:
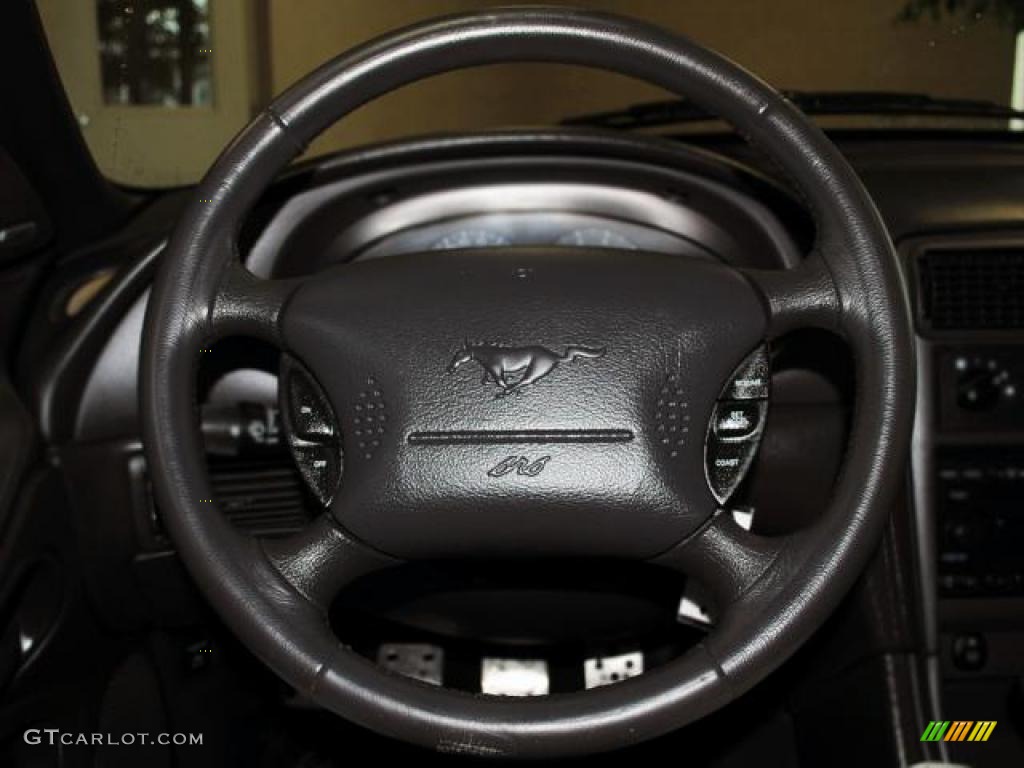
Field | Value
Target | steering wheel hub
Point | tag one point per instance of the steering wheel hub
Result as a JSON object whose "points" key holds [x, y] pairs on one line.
{"points": [[573, 424]]}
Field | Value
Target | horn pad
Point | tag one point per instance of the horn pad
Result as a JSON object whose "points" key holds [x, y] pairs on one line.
{"points": [[525, 400]]}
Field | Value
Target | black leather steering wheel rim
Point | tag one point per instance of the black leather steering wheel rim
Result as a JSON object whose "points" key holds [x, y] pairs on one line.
{"points": [[778, 594]]}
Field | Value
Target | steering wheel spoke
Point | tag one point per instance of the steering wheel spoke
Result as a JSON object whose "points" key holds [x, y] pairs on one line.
{"points": [[247, 305], [801, 297], [320, 560], [726, 559]]}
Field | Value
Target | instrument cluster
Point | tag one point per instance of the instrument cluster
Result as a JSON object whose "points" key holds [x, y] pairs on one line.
{"points": [[532, 228]]}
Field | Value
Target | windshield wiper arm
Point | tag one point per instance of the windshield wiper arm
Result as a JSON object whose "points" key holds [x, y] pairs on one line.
{"points": [[861, 103], [893, 103]]}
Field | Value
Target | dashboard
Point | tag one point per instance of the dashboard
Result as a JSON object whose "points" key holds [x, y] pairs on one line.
{"points": [[951, 204], [421, 205], [593, 191]]}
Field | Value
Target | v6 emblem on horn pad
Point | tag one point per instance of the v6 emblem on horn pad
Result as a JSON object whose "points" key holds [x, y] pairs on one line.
{"points": [[525, 365], [521, 465]]}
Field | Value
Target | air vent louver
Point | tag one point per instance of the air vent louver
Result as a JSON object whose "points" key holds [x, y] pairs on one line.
{"points": [[264, 497], [977, 289]]}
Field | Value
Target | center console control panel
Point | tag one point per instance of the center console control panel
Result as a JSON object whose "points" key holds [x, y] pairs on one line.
{"points": [[980, 503], [979, 469]]}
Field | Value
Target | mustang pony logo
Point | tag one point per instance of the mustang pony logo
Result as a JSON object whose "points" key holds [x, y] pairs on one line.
{"points": [[526, 365]]}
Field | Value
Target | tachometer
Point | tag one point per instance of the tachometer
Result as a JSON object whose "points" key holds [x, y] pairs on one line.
{"points": [[596, 237], [470, 238]]}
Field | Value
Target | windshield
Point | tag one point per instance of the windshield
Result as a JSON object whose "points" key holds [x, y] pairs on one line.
{"points": [[160, 86]]}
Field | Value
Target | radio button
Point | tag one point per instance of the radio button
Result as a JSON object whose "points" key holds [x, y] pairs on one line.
{"points": [[969, 651]]}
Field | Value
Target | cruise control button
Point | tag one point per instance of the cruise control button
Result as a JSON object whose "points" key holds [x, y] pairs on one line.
{"points": [[311, 430], [750, 382], [727, 463], [309, 412], [738, 420], [320, 466]]}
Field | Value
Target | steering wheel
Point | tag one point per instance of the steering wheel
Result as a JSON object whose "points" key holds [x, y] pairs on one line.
{"points": [[552, 435]]}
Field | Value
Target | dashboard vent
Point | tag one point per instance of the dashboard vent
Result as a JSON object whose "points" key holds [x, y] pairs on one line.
{"points": [[262, 496], [978, 289]]}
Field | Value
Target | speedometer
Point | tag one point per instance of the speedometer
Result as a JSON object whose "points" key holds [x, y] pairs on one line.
{"points": [[596, 237], [470, 238]]}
